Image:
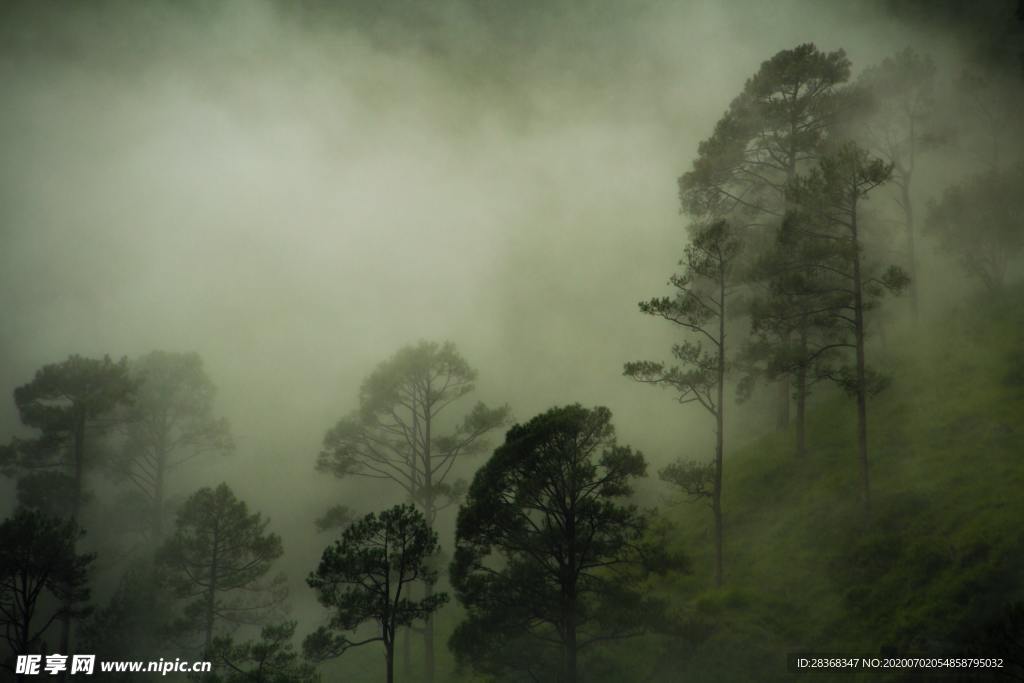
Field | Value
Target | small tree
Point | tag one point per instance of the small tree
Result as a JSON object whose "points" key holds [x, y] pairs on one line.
{"points": [[216, 558], [170, 422], [366, 576], [37, 556], [396, 434], [549, 555], [700, 307], [271, 659]]}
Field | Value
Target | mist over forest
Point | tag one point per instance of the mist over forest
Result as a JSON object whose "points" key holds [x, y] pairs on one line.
{"points": [[324, 358]]}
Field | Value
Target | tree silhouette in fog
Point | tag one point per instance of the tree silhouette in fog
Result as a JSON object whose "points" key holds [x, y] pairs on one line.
{"points": [[396, 434], [216, 559], [68, 402], [169, 423], [271, 659], [550, 556], [700, 307], [778, 124], [367, 576], [899, 129], [38, 558]]}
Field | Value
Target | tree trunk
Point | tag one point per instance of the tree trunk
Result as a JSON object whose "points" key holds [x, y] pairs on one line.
{"points": [[801, 412], [861, 378], [79, 455], [389, 660], [158, 499], [406, 641], [428, 636], [569, 646], [801, 395], [431, 514], [26, 631], [211, 595], [716, 501], [782, 417], [76, 509], [908, 221]]}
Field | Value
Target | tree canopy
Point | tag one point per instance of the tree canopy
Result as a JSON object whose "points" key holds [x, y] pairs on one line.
{"points": [[38, 558], [394, 434], [550, 555], [271, 659], [215, 560], [170, 422], [366, 576], [65, 401]]}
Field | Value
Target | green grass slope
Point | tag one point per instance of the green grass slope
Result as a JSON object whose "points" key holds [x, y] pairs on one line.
{"points": [[942, 556]]}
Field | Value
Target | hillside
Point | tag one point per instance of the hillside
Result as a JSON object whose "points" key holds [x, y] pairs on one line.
{"points": [[941, 559]]}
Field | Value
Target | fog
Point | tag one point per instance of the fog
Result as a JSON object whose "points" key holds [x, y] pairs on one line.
{"points": [[297, 190], [294, 194]]}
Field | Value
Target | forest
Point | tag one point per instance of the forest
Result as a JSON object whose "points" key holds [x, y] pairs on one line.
{"points": [[327, 325]]}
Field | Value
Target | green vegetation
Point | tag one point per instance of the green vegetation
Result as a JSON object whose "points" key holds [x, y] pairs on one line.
{"points": [[939, 561]]}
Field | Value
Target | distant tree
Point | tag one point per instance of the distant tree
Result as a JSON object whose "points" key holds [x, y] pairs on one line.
{"points": [[38, 557], [170, 422], [989, 107], [366, 576], [395, 434], [336, 518], [700, 306], [67, 402], [775, 127], [979, 222], [550, 557], [898, 131], [216, 559], [828, 210], [271, 659]]}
